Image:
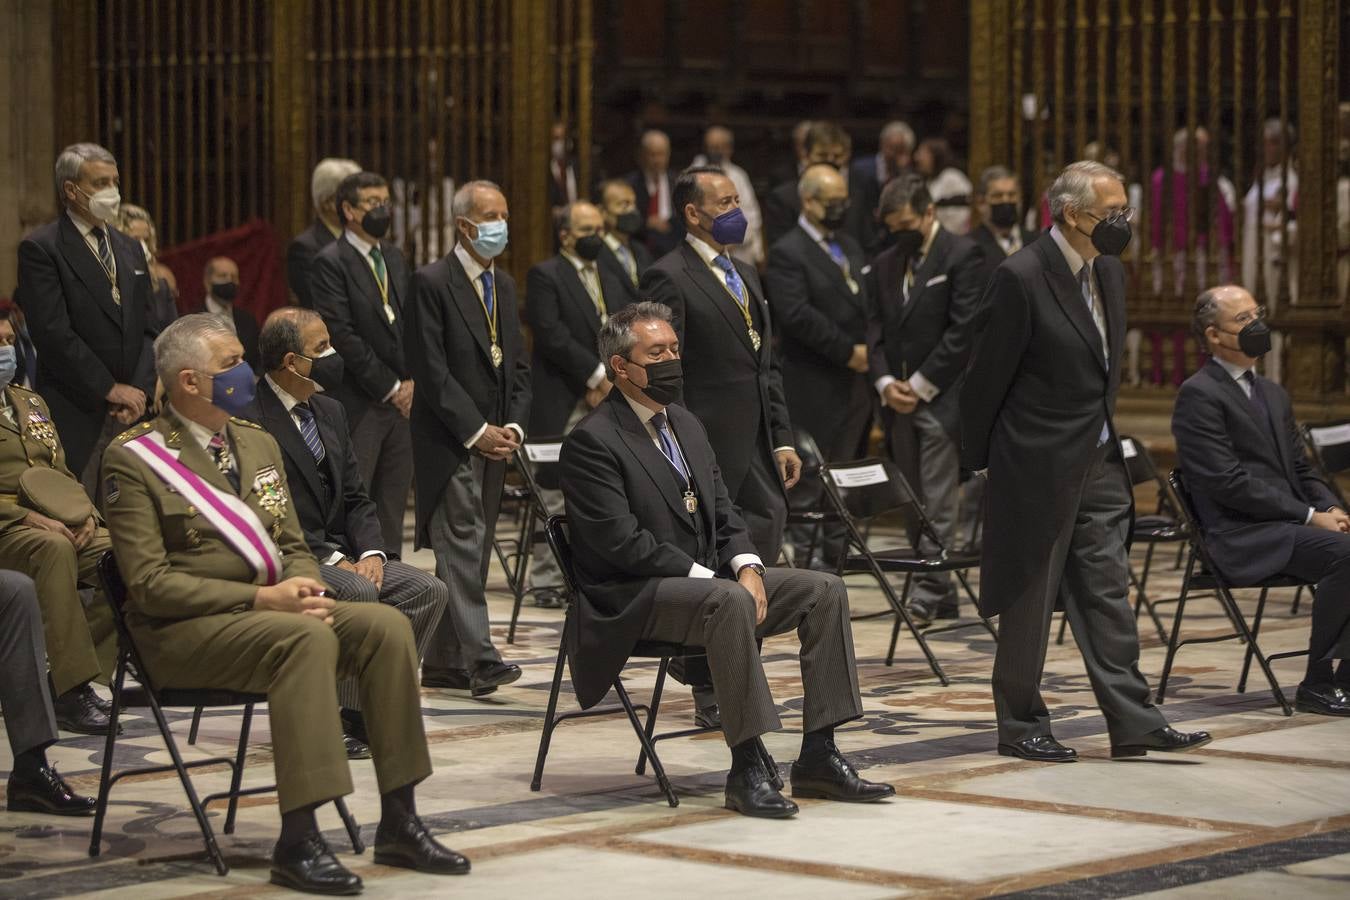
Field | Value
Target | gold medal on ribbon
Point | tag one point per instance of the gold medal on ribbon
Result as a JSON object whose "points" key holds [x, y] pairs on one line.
{"points": [[690, 502], [496, 351], [754, 339]]}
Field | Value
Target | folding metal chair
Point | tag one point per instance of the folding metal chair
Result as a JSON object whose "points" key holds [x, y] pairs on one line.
{"points": [[537, 463], [130, 661], [1208, 578], [807, 505], [865, 489], [557, 533]]}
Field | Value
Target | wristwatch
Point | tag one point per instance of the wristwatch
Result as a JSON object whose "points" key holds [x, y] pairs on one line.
{"points": [[758, 569]]}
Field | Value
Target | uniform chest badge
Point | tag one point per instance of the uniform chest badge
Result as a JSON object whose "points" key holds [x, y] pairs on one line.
{"points": [[271, 491]]}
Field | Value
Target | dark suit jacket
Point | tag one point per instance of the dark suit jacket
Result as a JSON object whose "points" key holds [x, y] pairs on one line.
{"points": [[727, 384], [300, 259], [991, 252], [659, 244], [629, 529], [1250, 479], [819, 321], [1032, 408], [329, 498], [458, 388], [85, 341], [246, 329], [932, 332], [783, 205], [344, 292], [564, 323], [642, 258]]}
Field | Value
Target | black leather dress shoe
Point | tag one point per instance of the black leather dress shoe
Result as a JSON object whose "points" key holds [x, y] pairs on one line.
{"points": [[1039, 749], [77, 711], [354, 747], [1164, 740], [490, 676], [548, 598], [832, 778], [308, 865], [103, 706], [770, 766], [706, 712], [45, 791], [1323, 699], [452, 679], [408, 845], [751, 793]]}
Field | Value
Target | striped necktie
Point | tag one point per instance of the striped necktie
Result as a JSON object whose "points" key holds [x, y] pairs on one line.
{"points": [[309, 431], [668, 446]]}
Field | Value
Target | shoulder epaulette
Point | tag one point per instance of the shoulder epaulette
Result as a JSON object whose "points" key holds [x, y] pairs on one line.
{"points": [[132, 432], [238, 421]]}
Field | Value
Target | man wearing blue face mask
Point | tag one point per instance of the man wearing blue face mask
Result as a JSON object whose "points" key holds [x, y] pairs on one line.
{"points": [[466, 352]]}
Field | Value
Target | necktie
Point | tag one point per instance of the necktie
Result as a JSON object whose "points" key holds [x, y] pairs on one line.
{"points": [[489, 296], [104, 249], [668, 446], [309, 431], [590, 278], [377, 261], [836, 253], [733, 278], [220, 452], [1258, 399], [914, 263], [626, 257], [1085, 283], [653, 199]]}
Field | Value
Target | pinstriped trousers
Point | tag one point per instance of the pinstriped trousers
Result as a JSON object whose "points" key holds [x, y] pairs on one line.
{"points": [[419, 596], [719, 615]]}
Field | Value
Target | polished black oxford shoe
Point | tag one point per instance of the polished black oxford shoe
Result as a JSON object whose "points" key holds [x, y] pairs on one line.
{"points": [[408, 845], [354, 747], [1323, 699], [832, 778], [1163, 740], [1039, 749], [78, 710], [45, 791], [751, 793], [490, 676], [309, 866], [452, 679]]}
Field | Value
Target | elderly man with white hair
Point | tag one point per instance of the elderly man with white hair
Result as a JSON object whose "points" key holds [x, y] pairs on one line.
{"points": [[327, 226], [1036, 414]]}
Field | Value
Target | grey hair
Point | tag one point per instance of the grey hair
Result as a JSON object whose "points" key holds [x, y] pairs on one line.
{"points": [[1207, 312], [1076, 186], [461, 205], [900, 129], [183, 344], [72, 159], [328, 174], [281, 335], [616, 336], [992, 174]]}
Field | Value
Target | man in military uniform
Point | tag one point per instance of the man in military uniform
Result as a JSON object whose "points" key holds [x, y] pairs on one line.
{"points": [[223, 592], [50, 531]]}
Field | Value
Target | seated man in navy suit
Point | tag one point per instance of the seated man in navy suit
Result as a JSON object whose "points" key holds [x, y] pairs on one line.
{"points": [[1264, 510]]}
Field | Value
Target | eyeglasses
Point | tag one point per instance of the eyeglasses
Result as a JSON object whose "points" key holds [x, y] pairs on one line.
{"points": [[1246, 317], [1124, 214], [373, 203]]}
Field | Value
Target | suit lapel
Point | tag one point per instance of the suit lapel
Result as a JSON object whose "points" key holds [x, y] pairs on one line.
{"points": [[193, 455], [359, 270], [464, 296], [718, 294], [126, 279], [282, 428], [1067, 293], [1113, 306], [571, 278], [17, 425], [1237, 395], [700, 470], [245, 463], [652, 460], [81, 258], [822, 260]]}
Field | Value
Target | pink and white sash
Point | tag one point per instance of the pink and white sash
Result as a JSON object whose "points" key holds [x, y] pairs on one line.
{"points": [[237, 523]]}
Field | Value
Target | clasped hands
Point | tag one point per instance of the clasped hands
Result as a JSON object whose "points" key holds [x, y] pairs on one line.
{"points": [[1334, 519], [497, 442], [296, 595]]}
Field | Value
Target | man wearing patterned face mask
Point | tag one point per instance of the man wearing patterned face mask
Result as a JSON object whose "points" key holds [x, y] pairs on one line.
{"points": [[221, 282], [473, 397], [85, 290]]}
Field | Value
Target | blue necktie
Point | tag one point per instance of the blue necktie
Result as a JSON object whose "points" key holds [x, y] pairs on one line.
{"points": [[489, 296], [733, 278], [309, 431], [668, 447], [836, 253], [104, 249]]}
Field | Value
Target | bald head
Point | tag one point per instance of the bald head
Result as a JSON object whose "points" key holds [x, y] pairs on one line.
{"points": [[654, 151], [718, 144], [1220, 314], [581, 220], [824, 195]]}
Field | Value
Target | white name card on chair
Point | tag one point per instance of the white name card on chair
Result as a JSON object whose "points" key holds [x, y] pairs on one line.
{"points": [[1128, 449], [859, 477], [1330, 436], [545, 453]]}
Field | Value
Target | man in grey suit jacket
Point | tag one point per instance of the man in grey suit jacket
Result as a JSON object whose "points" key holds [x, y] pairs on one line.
{"points": [[662, 554], [1036, 413]]}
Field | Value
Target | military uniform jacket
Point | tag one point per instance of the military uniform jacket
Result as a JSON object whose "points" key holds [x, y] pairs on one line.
{"points": [[29, 441], [175, 564]]}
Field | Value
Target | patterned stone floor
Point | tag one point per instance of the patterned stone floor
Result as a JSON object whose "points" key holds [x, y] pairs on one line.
{"points": [[1264, 811]]}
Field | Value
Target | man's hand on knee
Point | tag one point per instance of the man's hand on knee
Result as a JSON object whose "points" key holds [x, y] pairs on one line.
{"points": [[752, 582], [296, 595]]}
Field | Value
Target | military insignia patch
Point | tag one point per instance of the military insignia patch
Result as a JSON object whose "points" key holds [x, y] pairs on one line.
{"points": [[111, 490]]}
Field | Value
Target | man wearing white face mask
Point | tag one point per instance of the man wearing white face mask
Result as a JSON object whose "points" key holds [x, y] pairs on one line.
{"points": [[473, 393], [85, 290]]}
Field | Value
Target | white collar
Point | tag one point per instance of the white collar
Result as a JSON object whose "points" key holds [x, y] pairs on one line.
{"points": [[471, 266], [1234, 371], [286, 397], [811, 231], [1071, 256], [361, 244], [200, 433], [580, 264], [84, 226], [704, 249], [219, 308], [644, 414], [611, 241]]}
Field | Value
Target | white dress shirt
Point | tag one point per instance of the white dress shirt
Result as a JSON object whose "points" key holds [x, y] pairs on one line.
{"points": [[589, 273], [474, 271], [290, 403], [645, 415]]}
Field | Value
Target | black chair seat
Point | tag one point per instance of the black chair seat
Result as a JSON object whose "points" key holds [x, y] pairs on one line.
{"points": [[1155, 521], [1157, 534], [906, 560], [516, 492], [191, 697], [1204, 581], [661, 649], [810, 517]]}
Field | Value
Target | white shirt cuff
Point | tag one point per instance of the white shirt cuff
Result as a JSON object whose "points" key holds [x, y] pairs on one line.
{"points": [[392, 391], [597, 377], [468, 445], [923, 387], [520, 432], [337, 557], [697, 571], [370, 553], [1308, 518], [741, 560], [884, 382]]}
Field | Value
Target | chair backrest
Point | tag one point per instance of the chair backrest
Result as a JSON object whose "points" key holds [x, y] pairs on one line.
{"points": [[866, 488], [115, 594], [1329, 445], [537, 460], [808, 495], [1143, 470], [1191, 518], [557, 533]]}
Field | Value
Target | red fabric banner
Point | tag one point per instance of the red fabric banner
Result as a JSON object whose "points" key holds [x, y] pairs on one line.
{"points": [[253, 246]]}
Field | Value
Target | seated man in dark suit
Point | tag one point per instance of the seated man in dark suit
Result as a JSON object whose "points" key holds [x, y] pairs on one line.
{"points": [[336, 515], [221, 280], [1264, 510], [653, 529]]}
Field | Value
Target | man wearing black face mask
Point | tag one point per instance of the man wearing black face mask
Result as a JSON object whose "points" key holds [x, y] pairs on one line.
{"points": [[1036, 414], [221, 281], [569, 298], [661, 553], [817, 290], [1000, 234], [360, 285], [624, 256], [328, 494], [1265, 510]]}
